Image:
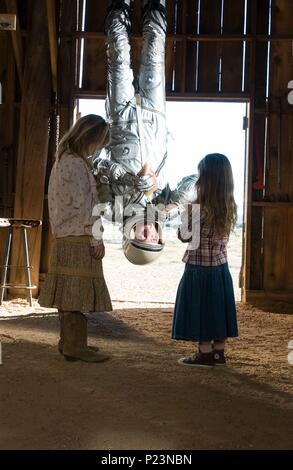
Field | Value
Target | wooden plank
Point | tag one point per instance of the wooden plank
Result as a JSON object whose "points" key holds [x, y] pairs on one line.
{"points": [[282, 19], [11, 6], [208, 67], [209, 53], [191, 67], [95, 65], [258, 168], [47, 237], [273, 205], [215, 97], [234, 16], [256, 260], [271, 301], [261, 52], [263, 7], [286, 158], [192, 16], [33, 140], [210, 16], [272, 189], [247, 262], [232, 53], [23, 14], [281, 70], [195, 37], [67, 73], [95, 15], [184, 49], [7, 141], [275, 235], [280, 128], [232, 65], [178, 64], [247, 68], [289, 250], [51, 12]]}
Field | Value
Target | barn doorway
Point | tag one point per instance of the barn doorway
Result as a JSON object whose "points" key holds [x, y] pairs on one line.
{"points": [[195, 129]]}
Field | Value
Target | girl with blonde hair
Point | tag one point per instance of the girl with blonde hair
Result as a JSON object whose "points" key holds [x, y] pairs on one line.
{"points": [[75, 282], [205, 309]]}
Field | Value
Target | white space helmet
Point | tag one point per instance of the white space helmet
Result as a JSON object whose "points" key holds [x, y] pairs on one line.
{"points": [[139, 252]]}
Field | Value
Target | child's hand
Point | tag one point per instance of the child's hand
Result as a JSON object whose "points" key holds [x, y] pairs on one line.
{"points": [[98, 250]]}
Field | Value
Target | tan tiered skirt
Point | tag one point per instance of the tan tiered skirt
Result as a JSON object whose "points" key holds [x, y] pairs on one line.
{"points": [[75, 281]]}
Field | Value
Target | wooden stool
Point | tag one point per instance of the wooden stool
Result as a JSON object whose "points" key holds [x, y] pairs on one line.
{"points": [[23, 225]]}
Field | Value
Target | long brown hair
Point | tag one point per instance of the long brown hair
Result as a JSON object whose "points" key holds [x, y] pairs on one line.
{"points": [[90, 129], [215, 194]]}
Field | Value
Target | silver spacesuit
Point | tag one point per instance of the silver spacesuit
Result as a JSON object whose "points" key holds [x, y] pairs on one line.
{"points": [[136, 111]]}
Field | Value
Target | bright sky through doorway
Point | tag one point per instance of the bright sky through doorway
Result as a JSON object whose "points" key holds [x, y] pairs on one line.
{"points": [[196, 129]]}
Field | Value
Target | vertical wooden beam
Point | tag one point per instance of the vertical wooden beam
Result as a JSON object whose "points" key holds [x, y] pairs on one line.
{"points": [[249, 162], [67, 66], [33, 135], [7, 141], [51, 12], [209, 52], [184, 48], [11, 6]]}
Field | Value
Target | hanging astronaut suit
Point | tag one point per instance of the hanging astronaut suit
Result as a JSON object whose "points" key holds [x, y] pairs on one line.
{"points": [[138, 124], [138, 131]]}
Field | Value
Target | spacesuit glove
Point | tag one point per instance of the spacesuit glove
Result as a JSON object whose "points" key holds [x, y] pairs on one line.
{"points": [[144, 183]]}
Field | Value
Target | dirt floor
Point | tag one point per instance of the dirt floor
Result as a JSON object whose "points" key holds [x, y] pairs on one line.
{"points": [[142, 398]]}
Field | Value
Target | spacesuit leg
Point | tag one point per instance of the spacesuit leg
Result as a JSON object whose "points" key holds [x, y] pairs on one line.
{"points": [[152, 83], [120, 75], [152, 67]]}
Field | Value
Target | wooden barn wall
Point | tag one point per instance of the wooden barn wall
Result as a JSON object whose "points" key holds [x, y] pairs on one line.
{"points": [[197, 60], [271, 256], [9, 121], [34, 137], [215, 49]]}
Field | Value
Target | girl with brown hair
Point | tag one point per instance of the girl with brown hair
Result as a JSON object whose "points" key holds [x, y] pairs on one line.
{"points": [[205, 309]]}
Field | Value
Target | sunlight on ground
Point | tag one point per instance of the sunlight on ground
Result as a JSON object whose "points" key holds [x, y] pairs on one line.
{"points": [[130, 286]]}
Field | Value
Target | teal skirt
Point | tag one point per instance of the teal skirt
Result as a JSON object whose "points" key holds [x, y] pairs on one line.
{"points": [[205, 305]]}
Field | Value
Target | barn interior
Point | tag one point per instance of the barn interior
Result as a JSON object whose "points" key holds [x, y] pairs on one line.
{"points": [[52, 55]]}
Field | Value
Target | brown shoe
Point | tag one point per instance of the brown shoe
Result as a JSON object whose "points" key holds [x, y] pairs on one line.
{"points": [[75, 340], [198, 359], [61, 340], [219, 357]]}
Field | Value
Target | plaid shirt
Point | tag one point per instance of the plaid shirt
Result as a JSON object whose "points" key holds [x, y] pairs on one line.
{"points": [[212, 251]]}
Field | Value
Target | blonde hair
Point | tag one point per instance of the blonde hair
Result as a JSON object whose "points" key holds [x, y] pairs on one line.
{"points": [[89, 129], [215, 194]]}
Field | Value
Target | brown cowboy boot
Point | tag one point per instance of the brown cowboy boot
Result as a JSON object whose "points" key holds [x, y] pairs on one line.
{"points": [[61, 340], [75, 339]]}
